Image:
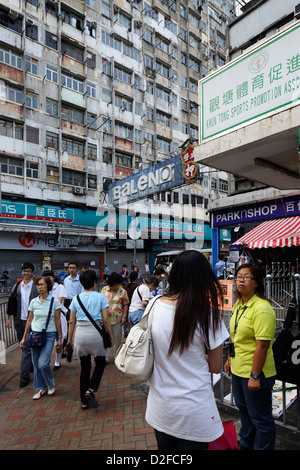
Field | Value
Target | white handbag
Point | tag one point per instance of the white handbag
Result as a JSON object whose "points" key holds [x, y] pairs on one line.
{"points": [[135, 357]]}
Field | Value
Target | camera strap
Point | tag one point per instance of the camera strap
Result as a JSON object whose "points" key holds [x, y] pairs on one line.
{"points": [[237, 319]]}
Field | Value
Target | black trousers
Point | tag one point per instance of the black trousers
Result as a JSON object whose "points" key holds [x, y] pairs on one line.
{"points": [[86, 380]]}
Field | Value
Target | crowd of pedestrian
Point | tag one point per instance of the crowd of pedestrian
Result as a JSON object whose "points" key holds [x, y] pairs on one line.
{"points": [[187, 332]]}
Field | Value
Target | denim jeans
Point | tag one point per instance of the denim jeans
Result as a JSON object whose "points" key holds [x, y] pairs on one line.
{"points": [[167, 442], [41, 358], [258, 427], [135, 317]]}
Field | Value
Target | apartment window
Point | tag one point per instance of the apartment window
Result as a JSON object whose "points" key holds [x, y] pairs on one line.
{"points": [[183, 81], [32, 135], [137, 82], [91, 120], [122, 19], [11, 166], [221, 40], [72, 19], [72, 114], [163, 45], [11, 21], [105, 9], [162, 69], [194, 132], [31, 100], [171, 26], [149, 114], [51, 40], [11, 129], [122, 75], [91, 60], [72, 83], [91, 3], [92, 151], [148, 36], [92, 182], [223, 185], [184, 104], [122, 131], [14, 95], [10, 58], [151, 12], [106, 125], [194, 64], [137, 136], [194, 42], [73, 178], [150, 88], [31, 65], [71, 50], [138, 109], [75, 147], [107, 155], [193, 86], [183, 11], [91, 29], [106, 95], [51, 73], [123, 103], [163, 144], [163, 94], [106, 67], [52, 174], [52, 140], [194, 20], [52, 107], [163, 118], [184, 128], [183, 34], [91, 89], [149, 61], [32, 170], [149, 137], [183, 58], [32, 31], [194, 108], [123, 160]]}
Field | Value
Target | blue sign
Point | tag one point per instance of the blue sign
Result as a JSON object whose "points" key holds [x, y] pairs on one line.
{"points": [[266, 210], [160, 177]]}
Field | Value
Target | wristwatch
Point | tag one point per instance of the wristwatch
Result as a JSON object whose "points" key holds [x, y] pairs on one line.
{"points": [[255, 376]]}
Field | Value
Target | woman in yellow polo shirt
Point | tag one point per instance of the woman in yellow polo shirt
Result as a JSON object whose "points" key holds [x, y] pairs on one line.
{"points": [[250, 359]]}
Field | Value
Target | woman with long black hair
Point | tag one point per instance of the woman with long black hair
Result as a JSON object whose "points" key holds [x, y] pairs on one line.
{"points": [[188, 334]]}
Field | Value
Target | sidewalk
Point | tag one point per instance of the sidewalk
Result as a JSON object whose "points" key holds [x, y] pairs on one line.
{"points": [[57, 423]]}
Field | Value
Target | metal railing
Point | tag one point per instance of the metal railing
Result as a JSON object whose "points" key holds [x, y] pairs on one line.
{"points": [[8, 336], [282, 282]]}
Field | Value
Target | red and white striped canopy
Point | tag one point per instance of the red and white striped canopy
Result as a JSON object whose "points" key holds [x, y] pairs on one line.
{"points": [[273, 233]]}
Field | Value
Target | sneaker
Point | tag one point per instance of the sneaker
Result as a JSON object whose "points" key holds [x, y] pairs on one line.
{"points": [[39, 394], [51, 390]]}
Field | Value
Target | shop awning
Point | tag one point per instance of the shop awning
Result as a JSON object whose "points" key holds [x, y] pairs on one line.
{"points": [[273, 233], [26, 228]]}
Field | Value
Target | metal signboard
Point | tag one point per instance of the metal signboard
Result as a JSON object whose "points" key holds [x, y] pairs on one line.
{"points": [[255, 85]]}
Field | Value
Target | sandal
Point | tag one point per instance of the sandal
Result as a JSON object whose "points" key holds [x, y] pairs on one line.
{"points": [[84, 406], [90, 398], [40, 393]]}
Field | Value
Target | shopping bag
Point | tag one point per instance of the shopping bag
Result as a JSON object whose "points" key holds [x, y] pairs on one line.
{"points": [[228, 440]]}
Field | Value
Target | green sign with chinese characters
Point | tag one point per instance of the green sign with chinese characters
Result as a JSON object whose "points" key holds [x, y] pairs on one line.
{"points": [[252, 86]]}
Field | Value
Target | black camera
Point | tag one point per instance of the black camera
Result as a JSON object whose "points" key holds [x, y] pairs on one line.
{"points": [[231, 350]]}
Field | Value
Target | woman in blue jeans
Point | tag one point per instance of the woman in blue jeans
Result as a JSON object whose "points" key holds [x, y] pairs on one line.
{"points": [[39, 307], [251, 361]]}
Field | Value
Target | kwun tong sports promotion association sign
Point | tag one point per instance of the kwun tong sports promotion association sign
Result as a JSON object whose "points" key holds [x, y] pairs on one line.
{"points": [[255, 85]]}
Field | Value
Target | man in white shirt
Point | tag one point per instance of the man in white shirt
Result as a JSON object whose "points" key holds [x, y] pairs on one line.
{"points": [[21, 295], [140, 299], [72, 284]]}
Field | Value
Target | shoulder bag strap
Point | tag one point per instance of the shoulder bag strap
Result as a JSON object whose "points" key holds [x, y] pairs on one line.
{"points": [[148, 314], [88, 315], [137, 289], [49, 313], [288, 323]]}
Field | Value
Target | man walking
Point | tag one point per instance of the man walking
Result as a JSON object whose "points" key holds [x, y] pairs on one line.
{"points": [[21, 295], [72, 284]]}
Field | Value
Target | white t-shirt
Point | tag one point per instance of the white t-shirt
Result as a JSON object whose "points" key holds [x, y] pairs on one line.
{"points": [[25, 295], [58, 290], [136, 302], [181, 402]]}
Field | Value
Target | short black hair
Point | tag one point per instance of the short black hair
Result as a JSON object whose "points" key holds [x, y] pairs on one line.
{"points": [[73, 262], [88, 278], [114, 278], [159, 271], [48, 272], [27, 266]]}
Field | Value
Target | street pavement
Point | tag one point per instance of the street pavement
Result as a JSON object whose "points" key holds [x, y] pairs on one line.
{"points": [[57, 422]]}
